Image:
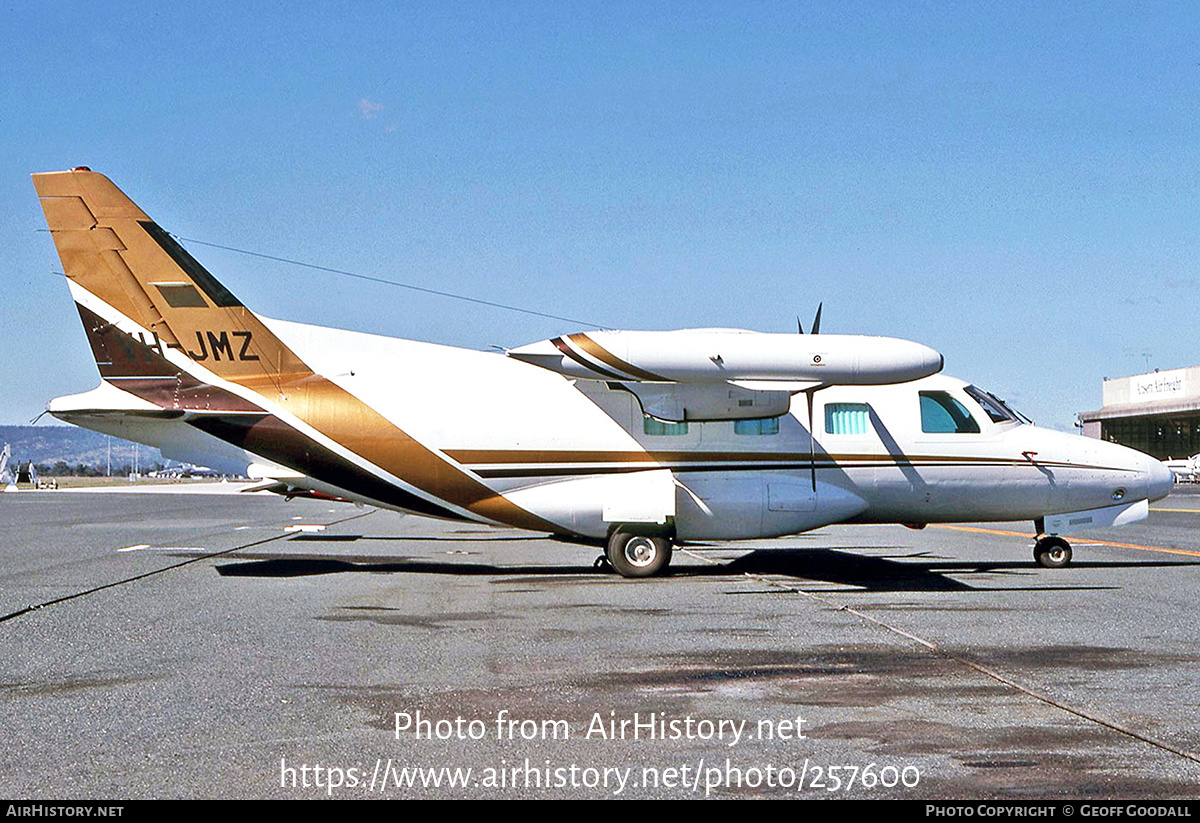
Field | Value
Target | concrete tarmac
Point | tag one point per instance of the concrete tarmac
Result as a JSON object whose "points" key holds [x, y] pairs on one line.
{"points": [[177, 645]]}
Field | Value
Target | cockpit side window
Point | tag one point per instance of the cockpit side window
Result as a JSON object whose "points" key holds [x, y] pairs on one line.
{"points": [[997, 409], [942, 414]]}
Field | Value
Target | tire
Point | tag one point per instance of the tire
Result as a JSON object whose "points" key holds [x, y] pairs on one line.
{"points": [[638, 555], [1052, 553]]}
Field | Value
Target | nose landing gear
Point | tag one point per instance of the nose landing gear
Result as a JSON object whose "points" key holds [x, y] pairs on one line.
{"points": [[1051, 552]]}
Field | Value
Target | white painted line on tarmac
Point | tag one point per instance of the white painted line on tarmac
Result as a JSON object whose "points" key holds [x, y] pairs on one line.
{"points": [[146, 547]]}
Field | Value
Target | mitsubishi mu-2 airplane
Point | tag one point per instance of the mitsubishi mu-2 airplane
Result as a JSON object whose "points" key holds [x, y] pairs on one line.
{"points": [[634, 440]]}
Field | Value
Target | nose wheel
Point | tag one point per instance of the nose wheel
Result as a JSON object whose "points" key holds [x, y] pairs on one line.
{"points": [[1052, 552]]}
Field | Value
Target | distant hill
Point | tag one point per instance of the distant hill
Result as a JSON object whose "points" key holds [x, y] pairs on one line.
{"points": [[47, 445]]}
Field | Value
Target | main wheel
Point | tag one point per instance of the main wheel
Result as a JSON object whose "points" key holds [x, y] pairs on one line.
{"points": [[1052, 552], [638, 555]]}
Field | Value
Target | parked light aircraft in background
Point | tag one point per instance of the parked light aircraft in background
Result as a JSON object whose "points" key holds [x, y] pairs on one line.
{"points": [[7, 481], [1186, 470], [635, 439]]}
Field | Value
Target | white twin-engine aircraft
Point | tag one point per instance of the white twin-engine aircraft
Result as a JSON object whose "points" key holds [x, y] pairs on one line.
{"points": [[632, 439]]}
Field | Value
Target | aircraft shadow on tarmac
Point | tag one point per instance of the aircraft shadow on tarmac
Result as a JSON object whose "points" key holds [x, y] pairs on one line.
{"points": [[914, 572], [350, 538]]}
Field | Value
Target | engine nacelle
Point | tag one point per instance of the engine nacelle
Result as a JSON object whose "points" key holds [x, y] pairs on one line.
{"points": [[721, 355]]}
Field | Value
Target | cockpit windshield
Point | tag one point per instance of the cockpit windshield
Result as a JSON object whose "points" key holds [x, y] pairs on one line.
{"points": [[997, 409]]}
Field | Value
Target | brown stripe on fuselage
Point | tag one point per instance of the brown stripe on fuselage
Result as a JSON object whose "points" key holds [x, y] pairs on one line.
{"points": [[489, 456], [275, 440], [604, 355], [346, 420], [543, 471], [137, 367], [650, 458], [327, 408], [341, 417]]}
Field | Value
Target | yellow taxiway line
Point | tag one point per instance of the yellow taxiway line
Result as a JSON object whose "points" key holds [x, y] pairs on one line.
{"points": [[1030, 536], [1169, 509]]}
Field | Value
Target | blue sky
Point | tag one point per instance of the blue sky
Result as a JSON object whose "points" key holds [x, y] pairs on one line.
{"points": [[1014, 184]]}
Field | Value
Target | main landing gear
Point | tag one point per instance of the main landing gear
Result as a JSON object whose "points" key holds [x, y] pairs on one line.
{"points": [[637, 555], [1051, 552]]}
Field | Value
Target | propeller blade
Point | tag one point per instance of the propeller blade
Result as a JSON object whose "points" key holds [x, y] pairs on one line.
{"points": [[817, 322], [812, 440], [799, 325]]}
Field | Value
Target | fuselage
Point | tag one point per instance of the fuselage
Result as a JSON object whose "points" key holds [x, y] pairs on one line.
{"points": [[568, 451]]}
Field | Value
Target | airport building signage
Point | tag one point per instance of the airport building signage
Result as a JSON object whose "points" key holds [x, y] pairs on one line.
{"points": [[1158, 386]]}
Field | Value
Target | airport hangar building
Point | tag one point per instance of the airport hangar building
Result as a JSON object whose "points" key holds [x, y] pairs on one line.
{"points": [[1157, 413]]}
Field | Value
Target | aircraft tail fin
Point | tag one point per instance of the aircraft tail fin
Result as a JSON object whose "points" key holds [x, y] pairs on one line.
{"points": [[121, 262]]}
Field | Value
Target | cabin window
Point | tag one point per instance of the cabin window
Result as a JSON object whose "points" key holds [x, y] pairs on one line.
{"points": [[661, 428], [768, 425], [847, 418], [942, 414]]}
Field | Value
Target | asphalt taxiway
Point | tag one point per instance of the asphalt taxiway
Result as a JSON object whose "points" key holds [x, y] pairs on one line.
{"points": [[182, 645]]}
